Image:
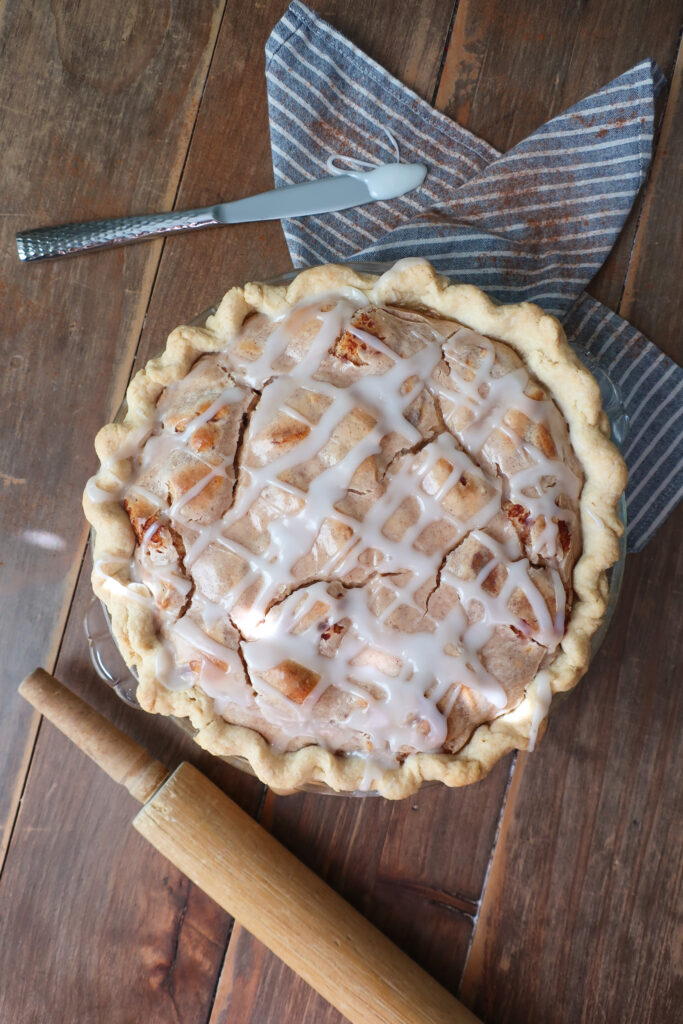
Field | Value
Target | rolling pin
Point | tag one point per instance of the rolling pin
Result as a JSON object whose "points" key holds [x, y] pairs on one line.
{"points": [[253, 877]]}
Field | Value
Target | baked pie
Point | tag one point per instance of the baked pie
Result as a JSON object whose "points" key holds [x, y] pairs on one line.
{"points": [[357, 528]]}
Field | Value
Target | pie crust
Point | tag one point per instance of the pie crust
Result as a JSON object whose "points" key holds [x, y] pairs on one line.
{"points": [[412, 284]]}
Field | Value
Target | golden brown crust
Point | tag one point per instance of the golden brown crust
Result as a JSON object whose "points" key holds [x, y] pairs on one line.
{"points": [[539, 340]]}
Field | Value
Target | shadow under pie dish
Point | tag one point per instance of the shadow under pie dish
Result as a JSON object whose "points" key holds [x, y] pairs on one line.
{"points": [[357, 528]]}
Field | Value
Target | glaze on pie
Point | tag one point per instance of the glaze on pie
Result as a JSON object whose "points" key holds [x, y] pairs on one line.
{"points": [[357, 528]]}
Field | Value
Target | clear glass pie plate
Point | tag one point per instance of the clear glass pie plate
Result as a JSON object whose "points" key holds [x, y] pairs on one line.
{"points": [[112, 669]]}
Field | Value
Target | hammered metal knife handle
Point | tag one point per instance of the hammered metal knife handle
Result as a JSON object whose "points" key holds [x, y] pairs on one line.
{"points": [[67, 239]]}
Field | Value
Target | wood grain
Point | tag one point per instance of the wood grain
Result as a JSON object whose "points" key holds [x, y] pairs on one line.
{"points": [[95, 927], [652, 300], [96, 111], [111, 924], [75, 919], [166, 912]]}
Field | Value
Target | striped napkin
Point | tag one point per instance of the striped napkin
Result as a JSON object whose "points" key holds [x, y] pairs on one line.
{"points": [[533, 224]]}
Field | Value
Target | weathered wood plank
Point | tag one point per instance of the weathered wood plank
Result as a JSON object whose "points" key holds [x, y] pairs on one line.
{"points": [[255, 987], [93, 85], [79, 887], [577, 921], [510, 67], [588, 887], [93, 103], [652, 300], [96, 925], [409, 42]]}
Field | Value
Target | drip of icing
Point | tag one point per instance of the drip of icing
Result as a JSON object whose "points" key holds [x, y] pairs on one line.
{"points": [[542, 698], [360, 165], [401, 683], [132, 446]]}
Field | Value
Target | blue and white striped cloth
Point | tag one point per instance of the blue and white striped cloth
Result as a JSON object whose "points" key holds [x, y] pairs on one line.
{"points": [[534, 224]]}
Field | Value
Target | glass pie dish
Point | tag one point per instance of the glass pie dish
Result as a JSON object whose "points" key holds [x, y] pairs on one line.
{"points": [[103, 647]]}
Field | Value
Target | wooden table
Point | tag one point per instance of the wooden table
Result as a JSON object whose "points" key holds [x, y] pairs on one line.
{"points": [[545, 893]]}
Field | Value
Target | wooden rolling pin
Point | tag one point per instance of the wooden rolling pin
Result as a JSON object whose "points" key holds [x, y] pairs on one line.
{"points": [[253, 877]]}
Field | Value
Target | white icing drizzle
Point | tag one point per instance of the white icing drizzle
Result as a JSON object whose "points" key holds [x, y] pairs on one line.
{"points": [[400, 682], [131, 447], [397, 717], [538, 486], [542, 697]]}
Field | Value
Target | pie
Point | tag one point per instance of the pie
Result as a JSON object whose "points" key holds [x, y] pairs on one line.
{"points": [[357, 528]]}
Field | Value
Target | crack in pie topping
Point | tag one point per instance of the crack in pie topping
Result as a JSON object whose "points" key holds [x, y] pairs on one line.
{"points": [[356, 527]]}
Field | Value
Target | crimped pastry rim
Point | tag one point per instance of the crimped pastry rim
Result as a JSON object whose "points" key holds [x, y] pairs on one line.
{"points": [[540, 341]]}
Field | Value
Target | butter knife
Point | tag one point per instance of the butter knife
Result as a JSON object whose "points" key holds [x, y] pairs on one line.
{"points": [[325, 195]]}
